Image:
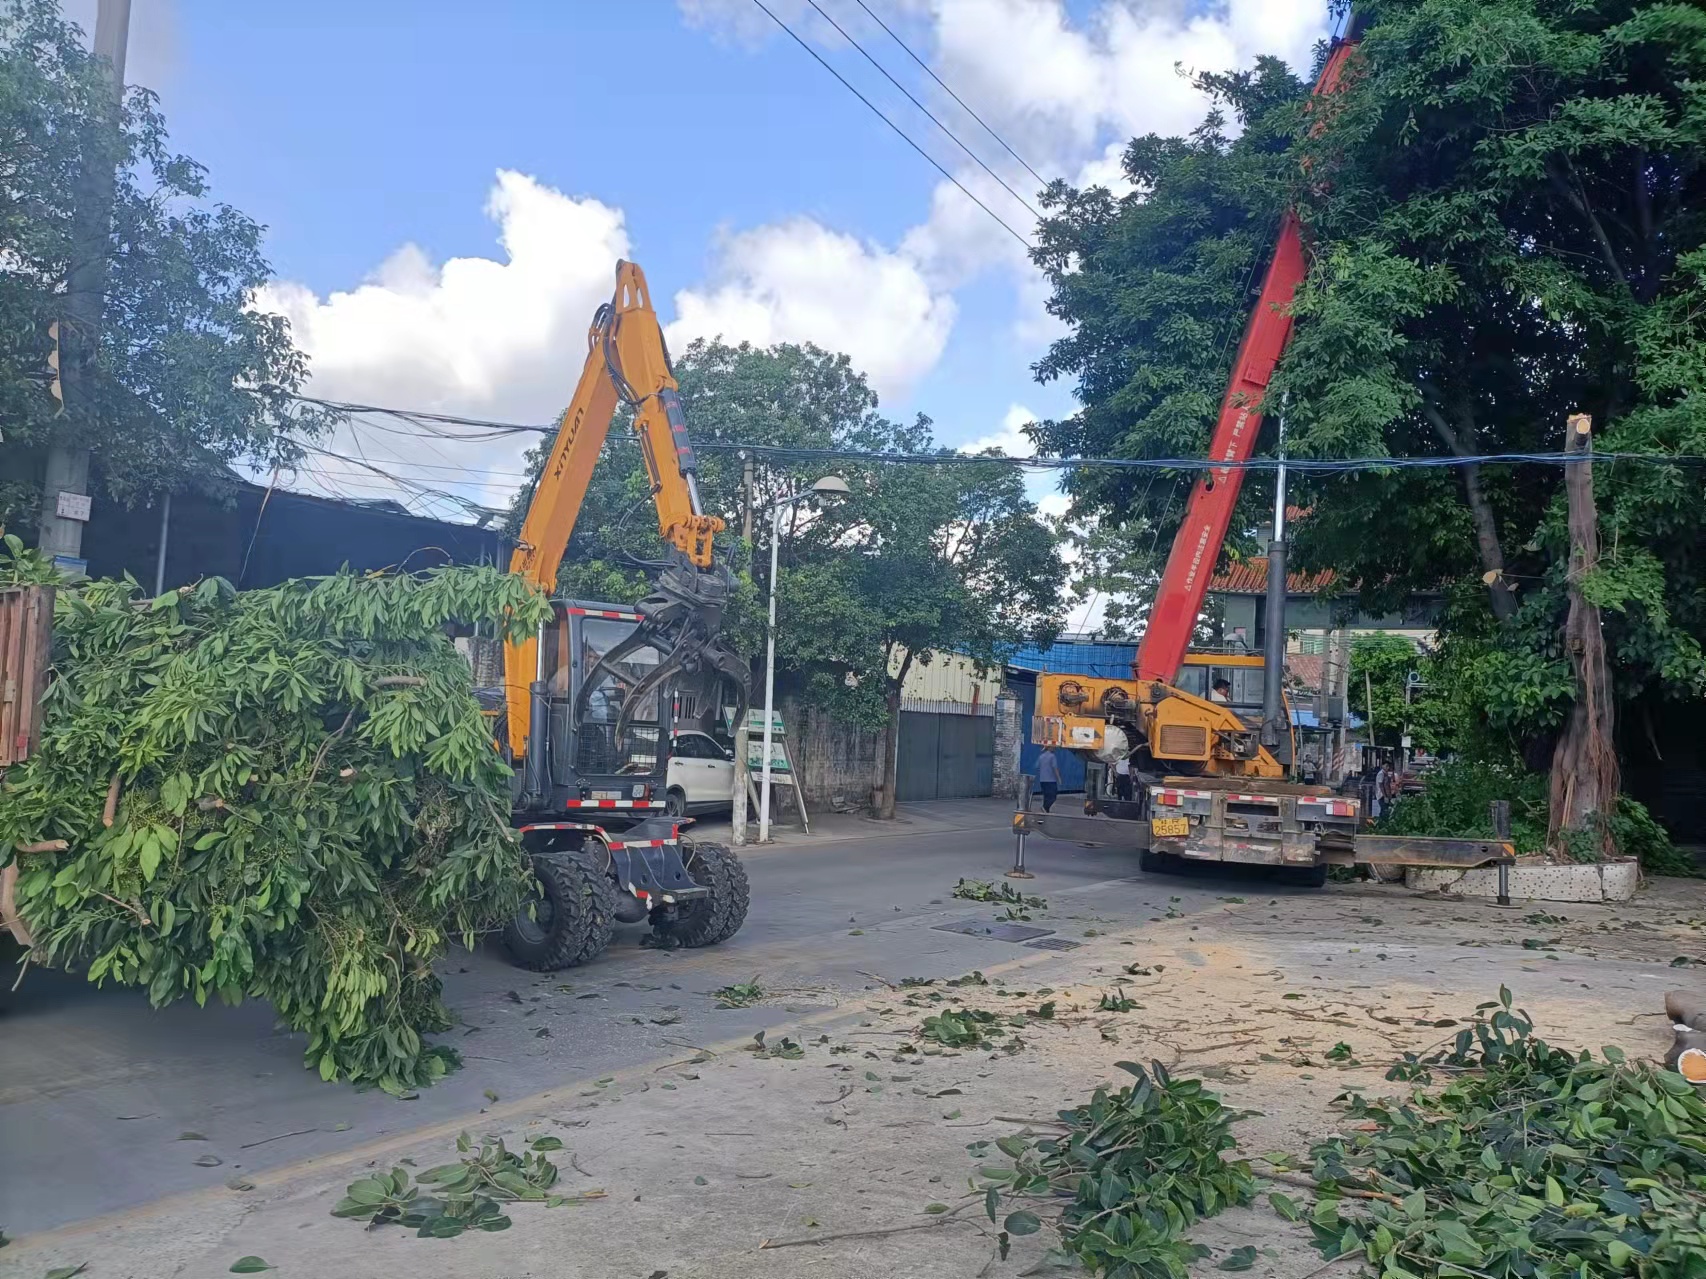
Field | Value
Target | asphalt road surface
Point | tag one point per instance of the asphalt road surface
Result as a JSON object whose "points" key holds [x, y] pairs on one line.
{"points": [[119, 1104]]}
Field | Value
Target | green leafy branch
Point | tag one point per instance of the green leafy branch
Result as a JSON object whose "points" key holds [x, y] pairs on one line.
{"points": [[1137, 1167], [469, 1194], [1533, 1163]]}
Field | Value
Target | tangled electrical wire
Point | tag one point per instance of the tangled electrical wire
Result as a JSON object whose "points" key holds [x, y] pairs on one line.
{"points": [[436, 423]]}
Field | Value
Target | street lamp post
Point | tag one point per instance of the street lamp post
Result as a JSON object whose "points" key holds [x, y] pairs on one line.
{"points": [[830, 486]]}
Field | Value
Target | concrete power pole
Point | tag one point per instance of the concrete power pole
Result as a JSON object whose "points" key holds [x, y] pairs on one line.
{"points": [[62, 517]]}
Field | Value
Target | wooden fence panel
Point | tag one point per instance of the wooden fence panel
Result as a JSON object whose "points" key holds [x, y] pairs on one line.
{"points": [[26, 643]]}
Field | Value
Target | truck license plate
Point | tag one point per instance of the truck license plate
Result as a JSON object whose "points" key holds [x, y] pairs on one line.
{"points": [[1169, 827]]}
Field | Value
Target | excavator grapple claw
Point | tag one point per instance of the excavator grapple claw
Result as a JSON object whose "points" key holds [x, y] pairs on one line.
{"points": [[683, 618]]}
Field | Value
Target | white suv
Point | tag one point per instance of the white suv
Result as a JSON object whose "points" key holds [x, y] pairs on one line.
{"points": [[701, 776]]}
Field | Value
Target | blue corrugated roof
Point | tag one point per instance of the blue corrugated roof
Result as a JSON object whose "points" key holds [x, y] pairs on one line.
{"points": [[1107, 661], [1308, 719]]}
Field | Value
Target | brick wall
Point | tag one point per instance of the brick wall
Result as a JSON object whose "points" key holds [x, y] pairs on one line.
{"points": [[833, 759]]}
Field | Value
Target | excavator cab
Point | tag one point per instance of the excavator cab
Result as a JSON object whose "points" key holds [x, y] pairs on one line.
{"points": [[603, 721], [611, 702], [1201, 671]]}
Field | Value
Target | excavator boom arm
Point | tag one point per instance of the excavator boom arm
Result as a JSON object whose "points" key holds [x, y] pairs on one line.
{"points": [[626, 361]]}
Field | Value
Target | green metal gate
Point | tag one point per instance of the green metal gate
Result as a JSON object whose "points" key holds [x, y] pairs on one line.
{"points": [[945, 756]]}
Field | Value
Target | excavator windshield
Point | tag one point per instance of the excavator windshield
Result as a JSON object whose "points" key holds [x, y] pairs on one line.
{"points": [[619, 719]]}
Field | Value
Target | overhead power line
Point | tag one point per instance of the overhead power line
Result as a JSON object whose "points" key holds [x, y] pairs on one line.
{"points": [[431, 424], [975, 158], [956, 97], [877, 111], [1311, 466]]}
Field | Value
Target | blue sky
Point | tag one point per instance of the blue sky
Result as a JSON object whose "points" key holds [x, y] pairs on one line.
{"points": [[763, 200]]}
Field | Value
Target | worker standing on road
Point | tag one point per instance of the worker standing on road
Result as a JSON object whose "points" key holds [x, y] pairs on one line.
{"points": [[1122, 777], [1048, 777], [1380, 786]]}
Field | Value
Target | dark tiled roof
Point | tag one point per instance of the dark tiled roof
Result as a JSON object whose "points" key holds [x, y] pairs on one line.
{"points": [[1250, 577]]}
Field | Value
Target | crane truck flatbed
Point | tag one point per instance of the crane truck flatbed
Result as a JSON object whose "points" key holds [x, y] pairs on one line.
{"points": [[1308, 830]]}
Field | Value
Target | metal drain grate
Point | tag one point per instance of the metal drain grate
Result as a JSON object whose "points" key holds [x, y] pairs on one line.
{"points": [[1052, 943], [994, 930]]}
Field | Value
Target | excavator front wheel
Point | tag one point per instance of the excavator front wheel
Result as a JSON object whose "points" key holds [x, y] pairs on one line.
{"points": [[718, 915], [570, 920]]}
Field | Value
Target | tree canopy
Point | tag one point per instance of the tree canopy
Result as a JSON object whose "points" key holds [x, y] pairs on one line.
{"points": [[1505, 212], [186, 376], [286, 794]]}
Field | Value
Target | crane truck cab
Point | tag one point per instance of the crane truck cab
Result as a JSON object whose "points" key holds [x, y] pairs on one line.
{"points": [[1212, 784]]}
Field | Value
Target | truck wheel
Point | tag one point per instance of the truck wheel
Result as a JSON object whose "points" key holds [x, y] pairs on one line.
{"points": [[1305, 876], [707, 920], [573, 914], [675, 803]]}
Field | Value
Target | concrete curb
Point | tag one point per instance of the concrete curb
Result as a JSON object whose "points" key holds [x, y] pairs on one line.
{"points": [[1606, 882]]}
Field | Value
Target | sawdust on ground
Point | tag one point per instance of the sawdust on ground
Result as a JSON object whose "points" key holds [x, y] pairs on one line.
{"points": [[719, 1165]]}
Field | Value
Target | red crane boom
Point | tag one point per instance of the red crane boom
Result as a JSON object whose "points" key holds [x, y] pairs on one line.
{"points": [[1196, 548]]}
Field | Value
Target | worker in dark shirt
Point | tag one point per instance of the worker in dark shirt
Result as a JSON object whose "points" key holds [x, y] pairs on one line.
{"points": [[1048, 777], [1122, 777]]}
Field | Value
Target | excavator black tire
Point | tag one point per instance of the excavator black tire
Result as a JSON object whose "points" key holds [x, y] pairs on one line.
{"points": [[574, 920], [707, 920]]}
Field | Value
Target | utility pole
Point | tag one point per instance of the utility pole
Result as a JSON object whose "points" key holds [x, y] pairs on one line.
{"points": [[65, 490], [1342, 692], [746, 505], [1276, 723]]}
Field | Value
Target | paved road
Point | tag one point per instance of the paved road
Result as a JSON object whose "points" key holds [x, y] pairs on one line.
{"points": [[100, 1089]]}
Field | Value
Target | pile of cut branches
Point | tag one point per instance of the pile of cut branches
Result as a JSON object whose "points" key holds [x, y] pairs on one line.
{"points": [[1533, 1162], [286, 794], [1135, 1167]]}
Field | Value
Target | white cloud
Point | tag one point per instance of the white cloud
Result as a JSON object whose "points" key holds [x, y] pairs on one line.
{"points": [[503, 336], [1011, 439], [1078, 88], [798, 281], [1041, 486], [1066, 94], [493, 337]]}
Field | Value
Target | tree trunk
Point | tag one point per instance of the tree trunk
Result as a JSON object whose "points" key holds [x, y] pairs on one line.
{"points": [[888, 762], [1584, 761], [888, 748], [1487, 544]]}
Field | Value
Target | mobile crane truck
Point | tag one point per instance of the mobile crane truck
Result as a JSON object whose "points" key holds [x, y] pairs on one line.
{"points": [[589, 703], [1214, 772]]}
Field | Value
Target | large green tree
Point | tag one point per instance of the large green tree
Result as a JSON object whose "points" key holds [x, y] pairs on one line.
{"points": [[186, 377], [918, 560], [1505, 211]]}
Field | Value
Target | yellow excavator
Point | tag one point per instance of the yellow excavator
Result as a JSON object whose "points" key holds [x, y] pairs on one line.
{"points": [[590, 704]]}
